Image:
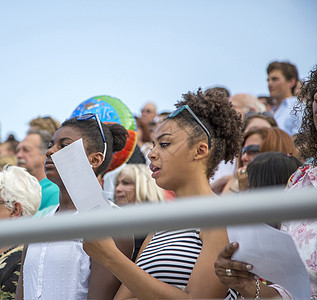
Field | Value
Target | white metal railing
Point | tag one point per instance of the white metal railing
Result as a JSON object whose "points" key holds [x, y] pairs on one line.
{"points": [[261, 206]]}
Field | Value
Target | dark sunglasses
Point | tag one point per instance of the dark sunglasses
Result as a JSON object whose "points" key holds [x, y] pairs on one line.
{"points": [[251, 149], [89, 116], [183, 107]]}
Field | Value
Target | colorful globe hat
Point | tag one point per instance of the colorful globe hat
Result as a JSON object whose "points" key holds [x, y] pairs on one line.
{"points": [[112, 110]]}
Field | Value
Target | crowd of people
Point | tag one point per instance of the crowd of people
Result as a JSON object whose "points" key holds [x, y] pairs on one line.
{"points": [[213, 144]]}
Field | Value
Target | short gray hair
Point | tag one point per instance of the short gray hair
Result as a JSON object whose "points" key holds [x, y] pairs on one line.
{"points": [[45, 136], [17, 185]]}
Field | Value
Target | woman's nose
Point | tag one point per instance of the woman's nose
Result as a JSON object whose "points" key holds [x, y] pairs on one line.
{"points": [[118, 188], [50, 151], [245, 159], [152, 155]]}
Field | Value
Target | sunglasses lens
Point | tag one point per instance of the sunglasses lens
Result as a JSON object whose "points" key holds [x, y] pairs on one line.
{"points": [[251, 149], [177, 111], [85, 117]]}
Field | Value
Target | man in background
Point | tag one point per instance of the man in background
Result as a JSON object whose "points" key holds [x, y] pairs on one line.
{"points": [[31, 156], [282, 81], [7, 152], [148, 113], [244, 103]]}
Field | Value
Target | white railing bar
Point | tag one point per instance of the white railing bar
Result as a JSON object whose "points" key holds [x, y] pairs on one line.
{"points": [[261, 206]]}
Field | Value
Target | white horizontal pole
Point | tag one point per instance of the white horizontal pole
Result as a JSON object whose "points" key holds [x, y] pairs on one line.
{"points": [[206, 212]]}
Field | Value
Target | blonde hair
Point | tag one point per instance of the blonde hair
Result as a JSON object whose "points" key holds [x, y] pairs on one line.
{"points": [[45, 123], [146, 189], [17, 185]]}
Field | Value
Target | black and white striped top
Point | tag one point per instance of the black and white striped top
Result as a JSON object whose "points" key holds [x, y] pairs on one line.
{"points": [[171, 255], [232, 295]]}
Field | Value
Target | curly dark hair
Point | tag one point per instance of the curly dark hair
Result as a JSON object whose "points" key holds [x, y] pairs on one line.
{"points": [[215, 111], [115, 134], [306, 139]]}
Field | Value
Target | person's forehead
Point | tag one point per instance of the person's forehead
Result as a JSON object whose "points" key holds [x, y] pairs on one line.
{"points": [[149, 106], [238, 101], [67, 132], [168, 126], [259, 122], [4, 146], [276, 73], [253, 139], [32, 140]]}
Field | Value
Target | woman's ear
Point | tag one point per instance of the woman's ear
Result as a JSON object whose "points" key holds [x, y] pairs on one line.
{"points": [[17, 210], [201, 151], [95, 159]]}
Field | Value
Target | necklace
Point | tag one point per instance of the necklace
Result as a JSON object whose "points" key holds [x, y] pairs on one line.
{"points": [[6, 251]]}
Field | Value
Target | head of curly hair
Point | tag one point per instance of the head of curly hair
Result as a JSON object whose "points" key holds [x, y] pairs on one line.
{"points": [[224, 124], [306, 140]]}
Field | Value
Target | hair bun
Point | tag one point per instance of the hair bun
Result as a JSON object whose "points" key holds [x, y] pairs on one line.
{"points": [[120, 136]]}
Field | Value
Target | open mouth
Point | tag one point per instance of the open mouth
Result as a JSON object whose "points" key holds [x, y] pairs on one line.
{"points": [[155, 170]]}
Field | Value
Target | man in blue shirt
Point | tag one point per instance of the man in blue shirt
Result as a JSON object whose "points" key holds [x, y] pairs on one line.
{"points": [[282, 80], [31, 156]]}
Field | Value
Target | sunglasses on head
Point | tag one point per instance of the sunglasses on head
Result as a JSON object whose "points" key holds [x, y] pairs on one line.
{"points": [[89, 116], [251, 149], [251, 114], [186, 107]]}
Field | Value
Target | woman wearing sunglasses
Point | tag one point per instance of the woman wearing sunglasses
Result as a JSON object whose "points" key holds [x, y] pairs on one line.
{"points": [[62, 270], [257, 141], [263, 140], [187, 147]]}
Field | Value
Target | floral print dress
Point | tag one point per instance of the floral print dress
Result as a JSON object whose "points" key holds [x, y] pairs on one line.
{"points": [[304, 232], [10, 264]]}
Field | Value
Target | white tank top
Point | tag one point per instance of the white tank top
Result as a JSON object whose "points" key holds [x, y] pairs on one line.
{"points": [[56, 271]]}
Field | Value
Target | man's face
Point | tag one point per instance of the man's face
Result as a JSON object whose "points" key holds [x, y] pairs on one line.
{"points": [[279, 87], [148, 113], [239, 104], [4, 150], [29, 155]]}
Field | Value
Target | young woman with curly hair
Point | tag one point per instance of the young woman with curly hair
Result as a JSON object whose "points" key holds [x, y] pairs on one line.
{"points": [[306, 176], [306, 139], [187, 147]]}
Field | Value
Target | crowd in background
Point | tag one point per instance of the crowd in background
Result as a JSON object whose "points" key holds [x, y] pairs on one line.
{"points": [[263, 141]]}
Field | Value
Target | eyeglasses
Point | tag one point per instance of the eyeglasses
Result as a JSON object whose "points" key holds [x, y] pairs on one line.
{"points": [[251, 149], [183, 107], [89, 116], [146, 111]]}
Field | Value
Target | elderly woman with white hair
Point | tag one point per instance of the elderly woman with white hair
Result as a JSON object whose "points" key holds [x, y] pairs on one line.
{"points": [[20, 196]]}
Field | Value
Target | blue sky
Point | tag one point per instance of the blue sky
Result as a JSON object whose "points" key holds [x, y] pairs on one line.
{"points": [[56, 54]]}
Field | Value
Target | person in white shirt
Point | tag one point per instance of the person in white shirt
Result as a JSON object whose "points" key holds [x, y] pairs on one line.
{"points": [[282, 81], [62, 270]]}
